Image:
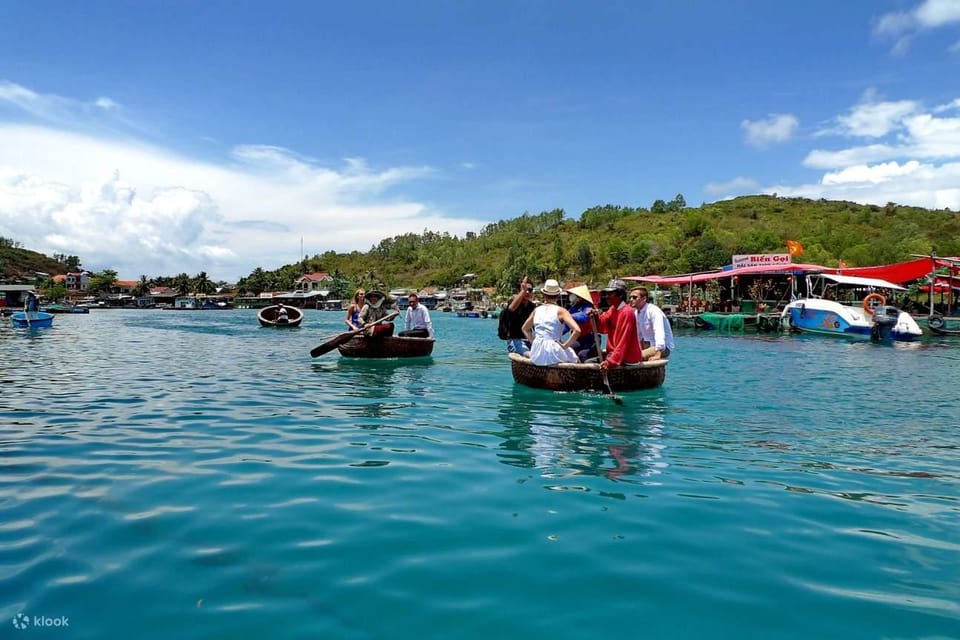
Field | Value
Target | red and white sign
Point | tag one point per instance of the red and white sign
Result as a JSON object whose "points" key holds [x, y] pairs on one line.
{"points": [[761, 260]]}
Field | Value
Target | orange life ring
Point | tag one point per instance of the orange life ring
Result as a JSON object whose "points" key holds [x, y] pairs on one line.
{"points": [[868, 308]]}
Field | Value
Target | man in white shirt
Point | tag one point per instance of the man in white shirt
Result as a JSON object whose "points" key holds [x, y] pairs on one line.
{"points": [[416, 322], [653, 327]]}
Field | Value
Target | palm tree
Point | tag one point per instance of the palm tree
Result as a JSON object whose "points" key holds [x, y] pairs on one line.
{"points": [[202, 284], [182, 284], [143, 288]]}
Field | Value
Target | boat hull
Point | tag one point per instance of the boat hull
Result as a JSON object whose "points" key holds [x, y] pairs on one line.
{"points": [[54, 308], [585, 376], [32, 320], [826, 317], [267, 317], [386, 347]]}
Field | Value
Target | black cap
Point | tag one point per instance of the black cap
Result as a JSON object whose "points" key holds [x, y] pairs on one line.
{"points": [[616, 285]]}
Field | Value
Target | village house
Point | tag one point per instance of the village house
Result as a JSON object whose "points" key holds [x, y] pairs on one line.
{"points": [[76, 281], [313, 282]]}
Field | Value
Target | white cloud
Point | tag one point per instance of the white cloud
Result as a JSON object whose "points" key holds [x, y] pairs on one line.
{"points": [[922, 185], [870, 174], [910, 133], [777, 127], [737, 185], [954, 105], [820, 159], [105, 103], [937, 13], [915, 159], [139, 209], [875, 119], [63, 112], [929, 14]]}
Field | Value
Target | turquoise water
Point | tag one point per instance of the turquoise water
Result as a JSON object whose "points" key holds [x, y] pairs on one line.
{"points": [[191, 475]]}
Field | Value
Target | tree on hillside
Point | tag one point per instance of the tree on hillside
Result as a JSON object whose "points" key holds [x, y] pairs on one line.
{"points": [[707, 254], [557, 253], [519, 263], [618, 252], [640, 251], [584, 257]]}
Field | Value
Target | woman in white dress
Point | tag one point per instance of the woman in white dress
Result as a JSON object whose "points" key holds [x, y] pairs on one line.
{"points": [[545, 326]]}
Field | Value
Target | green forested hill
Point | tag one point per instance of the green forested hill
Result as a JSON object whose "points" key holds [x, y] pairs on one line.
{"points": [[608, 241], [17, 263]]}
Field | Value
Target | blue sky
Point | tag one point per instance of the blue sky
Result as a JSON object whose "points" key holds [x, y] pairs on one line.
{"points": [[165, 137]]}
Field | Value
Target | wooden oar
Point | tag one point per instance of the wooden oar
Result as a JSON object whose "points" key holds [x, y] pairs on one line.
{"points": [[343, 338], [606, 380]]}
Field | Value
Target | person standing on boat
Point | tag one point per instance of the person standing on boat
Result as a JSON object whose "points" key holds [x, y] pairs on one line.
{"points": [[619, 322], [416, 322], [352, 319], [544, 329], [616, 295], [282, 316], [653, 327], [512, 318], [32, 304], [580, 305], [374, 310]]}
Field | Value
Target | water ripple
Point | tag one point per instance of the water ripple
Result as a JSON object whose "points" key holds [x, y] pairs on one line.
{"points": [[191, 475]]}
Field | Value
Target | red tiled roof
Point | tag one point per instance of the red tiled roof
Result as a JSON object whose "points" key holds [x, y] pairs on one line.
{"points": [[313, 277]]}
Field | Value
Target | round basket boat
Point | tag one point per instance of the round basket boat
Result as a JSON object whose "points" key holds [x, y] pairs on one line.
{"points": [[579, 377], [268, 317], [386, 347]]}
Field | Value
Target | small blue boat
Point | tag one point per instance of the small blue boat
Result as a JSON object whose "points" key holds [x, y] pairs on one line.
{"points": [[32, 319]]}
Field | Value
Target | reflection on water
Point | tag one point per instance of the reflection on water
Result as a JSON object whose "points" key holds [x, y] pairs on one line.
{"points": [[582, 434], [163, 479], [373, 388]]}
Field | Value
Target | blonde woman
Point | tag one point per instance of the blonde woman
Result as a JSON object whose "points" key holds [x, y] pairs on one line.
{"points": [[352, 319]]}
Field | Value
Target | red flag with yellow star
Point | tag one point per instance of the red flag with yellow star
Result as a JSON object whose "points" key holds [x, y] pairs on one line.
{"points": [[794, 247]]}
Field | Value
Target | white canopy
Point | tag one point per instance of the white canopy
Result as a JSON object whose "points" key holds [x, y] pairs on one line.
{"points": [[860, 282]]}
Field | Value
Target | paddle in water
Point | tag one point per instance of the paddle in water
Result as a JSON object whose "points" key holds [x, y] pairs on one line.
{"points": [[345, 337], [606, 380]]}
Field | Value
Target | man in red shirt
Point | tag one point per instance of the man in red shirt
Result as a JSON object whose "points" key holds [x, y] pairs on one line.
{"points": [[619, 322]]}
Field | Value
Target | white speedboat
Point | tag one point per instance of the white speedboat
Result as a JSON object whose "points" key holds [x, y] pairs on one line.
{"points": [[872, 319]]}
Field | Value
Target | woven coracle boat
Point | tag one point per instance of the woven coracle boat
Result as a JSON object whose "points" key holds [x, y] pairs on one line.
{"points": [[361, 346], [268, 317], [578, 377]]}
